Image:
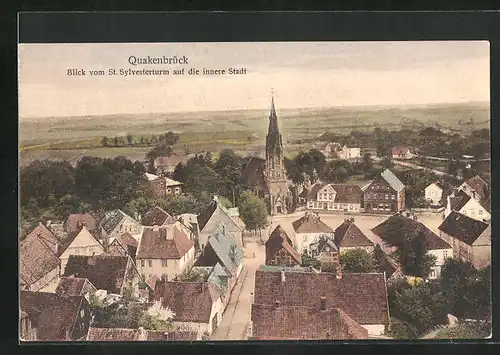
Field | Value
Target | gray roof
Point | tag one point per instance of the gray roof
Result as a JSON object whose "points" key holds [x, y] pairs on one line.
{"points": [[392, 180], [224, 245], [219, 276], [320, 244], [112, 219]]}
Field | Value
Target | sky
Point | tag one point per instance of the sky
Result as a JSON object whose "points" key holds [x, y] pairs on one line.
{"points": [[301, 74]]}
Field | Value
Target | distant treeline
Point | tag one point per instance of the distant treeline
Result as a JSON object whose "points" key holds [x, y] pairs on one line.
{"points": [[170, 138]]}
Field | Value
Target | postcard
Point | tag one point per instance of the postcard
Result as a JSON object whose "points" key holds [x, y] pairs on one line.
{"points": [[254, 191]]}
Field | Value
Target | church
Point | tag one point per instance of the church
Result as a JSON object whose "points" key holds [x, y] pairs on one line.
{"points": [[267, 178]]}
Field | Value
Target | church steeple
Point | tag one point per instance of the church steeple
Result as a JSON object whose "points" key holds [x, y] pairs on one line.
{"points": [[273, 119]]}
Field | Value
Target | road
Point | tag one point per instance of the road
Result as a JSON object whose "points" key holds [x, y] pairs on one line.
{"points": [[418, 167], [236, 318]]}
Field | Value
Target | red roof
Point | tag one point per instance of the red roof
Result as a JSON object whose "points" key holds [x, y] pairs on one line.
{"points": [[478, 185], [349, 235], [400, 150], [311, 223], [276, 322], [363, 297], [75, 220], [163, 243], [36, 259], [279, 240]]}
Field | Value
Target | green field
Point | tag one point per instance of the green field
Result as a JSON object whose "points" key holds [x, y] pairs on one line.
{"points": [[243, 131]]}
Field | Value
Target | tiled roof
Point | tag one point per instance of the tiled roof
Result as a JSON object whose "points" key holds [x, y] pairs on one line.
{"points": [[51, 314], [286, 269], [363, 297], [116, 334], [171, 160], [155, 216], [313, 191], [73, 286], [459, 200], [311, 223], [36, 259], [86, 219], [279, 240], [321, 243], [349, 235], [190, 301], [272, 322], [163, 243], [388, 265], [45, 235], [392, 180], [396, 224], [126, 239], [478, 185], [463, 228], [105, 272], [347, 193], [113, 219], [225, 247], [177, 335]]}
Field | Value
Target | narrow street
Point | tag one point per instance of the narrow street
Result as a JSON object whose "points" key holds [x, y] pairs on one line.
{"points": [[236, 318]]}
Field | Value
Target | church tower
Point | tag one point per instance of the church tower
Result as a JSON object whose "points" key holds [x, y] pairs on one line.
{"points": [[275, 173]]}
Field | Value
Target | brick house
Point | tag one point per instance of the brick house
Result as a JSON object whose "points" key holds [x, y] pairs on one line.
{"points": [[114, 274], [163, 186], [197, 306], [349, 236], [279, 249], [74, 286], [470, 238], [361, 296], [165, 252], [335, 197], [395, 227], [51, 317], [38, 265], [308, 229], [385, 194]]}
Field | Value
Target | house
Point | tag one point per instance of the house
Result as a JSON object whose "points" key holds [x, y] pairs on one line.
{"points": [[402, 153], [329, 149], [434, 193], [163, 186], [158, 217], [222, 248], [349, 153], [218, 276], [391, 269], [349, 236], [470, 238], [335, 197], [277, 322], [385, 194], [190, 220], [167, 165], [476, 188], [211, 217], [123, 245], [197, 305], [42, 232], [50, 317], [308, 229], [79, 243], [327, 253], [140, 334], [279, 249], [74, 286], [361, 296], [76, 221], [463, 203], [397, 225], [38, 265], [302, 196], [118, 222], [114, 274], [164, 251]]}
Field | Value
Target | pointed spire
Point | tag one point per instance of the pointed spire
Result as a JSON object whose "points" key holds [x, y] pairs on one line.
{"points": [[273, 118]]}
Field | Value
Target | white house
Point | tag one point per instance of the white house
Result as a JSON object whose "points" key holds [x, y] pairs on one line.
{"points": [[476, 188], [164, 252], [402, 153], [349, 153], [335, 197], [465, 204], [309, 229], [434, 193], [79, 243]]}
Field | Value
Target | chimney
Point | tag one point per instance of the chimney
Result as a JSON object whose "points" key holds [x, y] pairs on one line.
{"points": [[277, 303], [322, 305], [283, 276]]}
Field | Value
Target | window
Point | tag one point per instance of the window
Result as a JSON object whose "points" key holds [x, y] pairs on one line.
{"points": [[433, 273], [480, 212], [386, 196], [164, 263], [304, 238], [393, 197], [150, 263], [445, 254], [143, 263]]}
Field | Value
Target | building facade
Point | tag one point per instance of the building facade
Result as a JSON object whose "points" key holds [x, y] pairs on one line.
{"points": [[385, 194]]}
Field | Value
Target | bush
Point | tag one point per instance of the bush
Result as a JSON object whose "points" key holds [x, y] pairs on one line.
{"points": [[403, 330]]}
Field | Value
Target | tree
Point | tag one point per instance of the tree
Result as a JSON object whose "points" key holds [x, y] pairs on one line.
{"points": [[201, 178], [367, 162], [386, 163], [229, 168], [157, 317], [105, 141], [159, 150], [169, 138], [356, 260], [308, 260], [253, 211], [130, 139]]}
